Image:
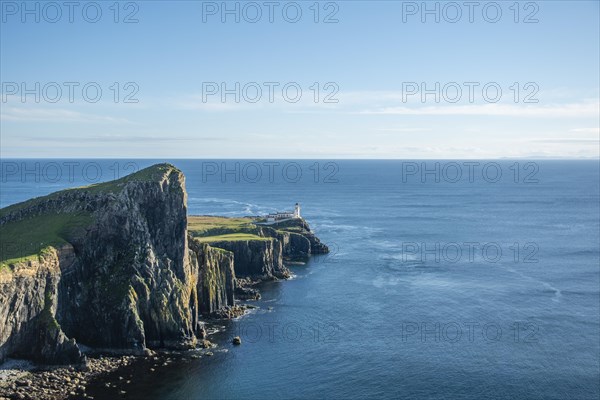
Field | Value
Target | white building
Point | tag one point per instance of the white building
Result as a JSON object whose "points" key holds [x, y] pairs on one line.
{"points": [[285, 214]]}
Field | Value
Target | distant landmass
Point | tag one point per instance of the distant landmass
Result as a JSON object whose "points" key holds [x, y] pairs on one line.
{"points": [[120, 266]]}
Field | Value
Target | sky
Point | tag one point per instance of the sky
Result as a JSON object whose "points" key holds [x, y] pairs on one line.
{"points": [[305, 79]]}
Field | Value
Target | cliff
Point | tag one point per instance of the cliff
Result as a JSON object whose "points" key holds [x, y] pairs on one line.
{"points": [[215, 277], [118, 266], [260, 251], [28, 296], [112, 269], [257, 259]]}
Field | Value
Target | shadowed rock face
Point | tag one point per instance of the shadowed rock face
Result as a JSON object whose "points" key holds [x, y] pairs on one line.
{"points": [[257, 259], [123, 282], [27, 307], [299, 233], [216, 277], [131, 276], [291, 240]]}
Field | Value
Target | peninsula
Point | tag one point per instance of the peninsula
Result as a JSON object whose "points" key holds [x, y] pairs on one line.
{"points": [[120, 267]]}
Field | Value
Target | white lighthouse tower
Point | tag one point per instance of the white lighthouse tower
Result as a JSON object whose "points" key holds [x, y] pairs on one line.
{"points": [[297, 211]]}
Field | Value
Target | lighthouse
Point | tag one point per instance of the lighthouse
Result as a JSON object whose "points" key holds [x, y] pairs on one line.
{"points": [[297, 211]]}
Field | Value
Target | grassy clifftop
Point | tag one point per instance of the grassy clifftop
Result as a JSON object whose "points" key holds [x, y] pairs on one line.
{"points": [[215, 229], [153, 173], [207, 229], [28, 238]]}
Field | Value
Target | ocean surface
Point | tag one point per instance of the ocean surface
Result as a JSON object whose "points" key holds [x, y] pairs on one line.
{"points": [[446, 279]]}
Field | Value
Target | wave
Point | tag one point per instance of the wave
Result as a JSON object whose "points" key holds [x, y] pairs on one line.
{"points": [[549, 287]]}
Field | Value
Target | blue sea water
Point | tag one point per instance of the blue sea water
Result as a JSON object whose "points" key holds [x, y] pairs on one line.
{"points": [[482, 287]]}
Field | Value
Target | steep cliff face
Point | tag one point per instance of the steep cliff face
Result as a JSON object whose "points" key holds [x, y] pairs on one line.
{"points": [[216, 277], [125, 280], [28, 297], [260, 251], [131, 272], [297, 245], [256, 259]]}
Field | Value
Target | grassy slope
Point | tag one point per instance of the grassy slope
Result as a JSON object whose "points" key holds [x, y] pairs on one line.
{"points": [[147, 174], [230, 237], [201, 225], [27, 239], [229, 229]]}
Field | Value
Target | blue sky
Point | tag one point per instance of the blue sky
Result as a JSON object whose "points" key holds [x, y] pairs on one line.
{"points": [[371, 59]]}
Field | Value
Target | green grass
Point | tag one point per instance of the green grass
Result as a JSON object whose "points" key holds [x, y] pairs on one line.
{"points": [[29, 238], [46, 318], [203, 225], [151, 173], [230, 237]]}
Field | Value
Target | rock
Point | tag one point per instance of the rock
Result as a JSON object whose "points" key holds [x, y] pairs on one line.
{"points": [[246, 293], [237, 341], [258, 259], [108, 270]]}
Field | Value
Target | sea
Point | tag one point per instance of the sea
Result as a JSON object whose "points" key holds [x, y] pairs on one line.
{"points": [[447, 279]]}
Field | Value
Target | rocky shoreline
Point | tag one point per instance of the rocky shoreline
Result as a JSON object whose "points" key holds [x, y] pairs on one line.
{"points": [[58, 382], [101, 375]]}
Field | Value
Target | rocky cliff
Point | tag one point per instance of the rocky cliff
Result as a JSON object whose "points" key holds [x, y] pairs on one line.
{"points": [[28, 300], [260, 251], [297, 236], [215, 277], [112, 266], [122, 280], [256, 259]]}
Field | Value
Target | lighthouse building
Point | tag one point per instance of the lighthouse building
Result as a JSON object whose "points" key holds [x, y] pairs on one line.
{"points": [[285, 214]]}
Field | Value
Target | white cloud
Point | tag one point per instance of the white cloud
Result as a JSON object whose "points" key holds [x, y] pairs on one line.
{"points": [[583, 109], [27, 114], [595, 131]]}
